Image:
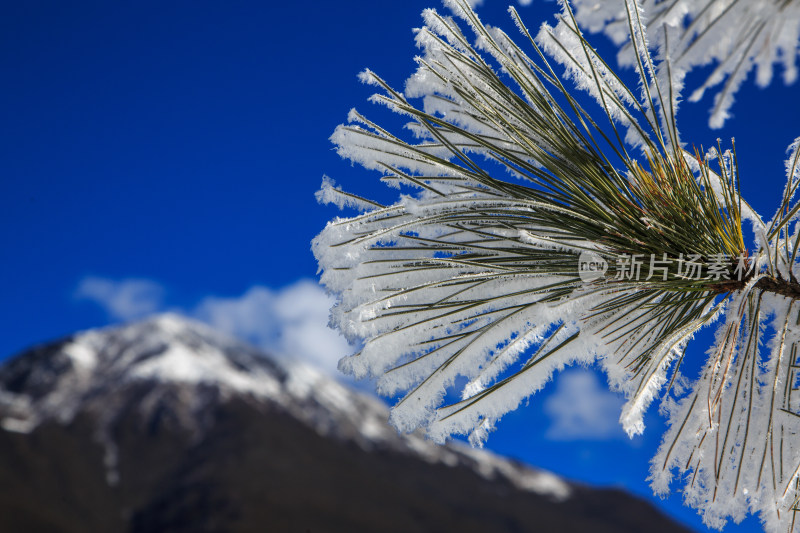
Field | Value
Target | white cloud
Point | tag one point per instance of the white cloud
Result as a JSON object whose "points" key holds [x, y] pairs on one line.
{"points": [[582, 408], [249, 316], [291, 323], [125, 299]]}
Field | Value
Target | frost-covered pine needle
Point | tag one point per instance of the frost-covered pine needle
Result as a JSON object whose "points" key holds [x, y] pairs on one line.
{"points": [[534, 234], [733, 35]]}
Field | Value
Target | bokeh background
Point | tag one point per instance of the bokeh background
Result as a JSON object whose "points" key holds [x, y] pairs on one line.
{"points": [[163, 156]]}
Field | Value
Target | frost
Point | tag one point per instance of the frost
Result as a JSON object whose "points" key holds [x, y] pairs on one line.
{"points": [[330, 194], [467, 293], [735, 36]]}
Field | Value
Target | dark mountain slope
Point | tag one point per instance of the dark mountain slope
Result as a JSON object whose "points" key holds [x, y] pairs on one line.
{"points": [[165, 426]]}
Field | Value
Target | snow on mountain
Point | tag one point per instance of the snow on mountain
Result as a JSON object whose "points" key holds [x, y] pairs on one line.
{"points": [[60, 379], [169, 366]]}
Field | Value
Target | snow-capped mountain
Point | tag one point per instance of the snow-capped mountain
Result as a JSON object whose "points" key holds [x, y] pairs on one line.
{"points": [[89, 371], [151, 405]]}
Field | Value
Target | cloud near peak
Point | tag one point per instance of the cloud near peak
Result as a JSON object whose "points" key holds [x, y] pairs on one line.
{"points": [[291, 323], [125, 299]]}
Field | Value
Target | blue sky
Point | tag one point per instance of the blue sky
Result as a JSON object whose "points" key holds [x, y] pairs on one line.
{"points": [[165, 155]]}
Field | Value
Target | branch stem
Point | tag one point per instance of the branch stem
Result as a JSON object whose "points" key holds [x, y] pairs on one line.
{"points": [[778, 285]]}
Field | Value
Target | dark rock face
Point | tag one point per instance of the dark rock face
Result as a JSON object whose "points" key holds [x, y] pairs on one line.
{"points": [[165, 455]]}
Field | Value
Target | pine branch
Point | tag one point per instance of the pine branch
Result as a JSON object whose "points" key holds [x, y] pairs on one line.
{"points": [[529, 231]]}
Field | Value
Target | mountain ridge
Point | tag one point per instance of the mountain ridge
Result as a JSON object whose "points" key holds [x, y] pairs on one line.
{"points": [[166, 385]]}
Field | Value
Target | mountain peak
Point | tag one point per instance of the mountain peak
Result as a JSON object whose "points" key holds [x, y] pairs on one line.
{"points": [[58, 379], [170, 368], [165, 424]]}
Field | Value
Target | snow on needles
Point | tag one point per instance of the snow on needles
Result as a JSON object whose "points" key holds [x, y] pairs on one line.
{"points": [[467, 292], [735, 36]]}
